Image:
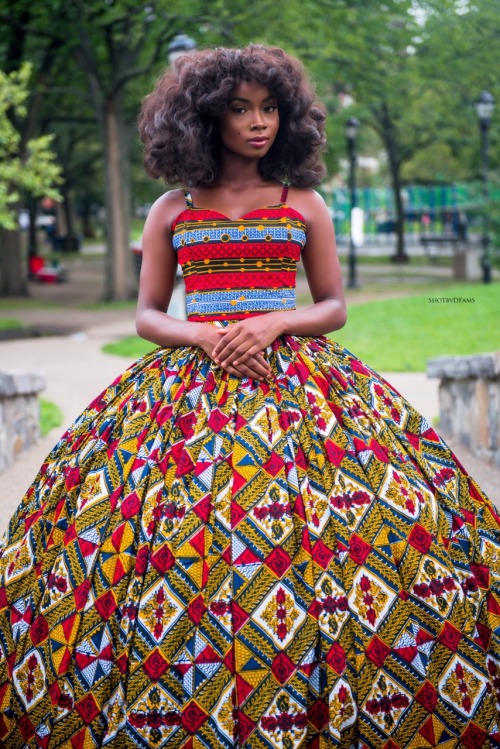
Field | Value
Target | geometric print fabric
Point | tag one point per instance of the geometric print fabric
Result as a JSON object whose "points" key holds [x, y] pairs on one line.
{"points": [[206, 561]]}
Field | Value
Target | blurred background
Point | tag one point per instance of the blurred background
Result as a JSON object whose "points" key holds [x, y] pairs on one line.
{"points": [[413, 184]]}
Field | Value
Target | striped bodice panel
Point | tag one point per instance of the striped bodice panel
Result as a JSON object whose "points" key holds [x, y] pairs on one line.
{"points": [[233, 269]]}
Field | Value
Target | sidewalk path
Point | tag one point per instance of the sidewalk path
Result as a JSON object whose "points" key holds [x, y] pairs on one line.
{"points": [[76, 371]]}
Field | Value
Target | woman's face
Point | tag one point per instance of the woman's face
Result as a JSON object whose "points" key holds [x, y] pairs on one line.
{"points": [[250, 125]]}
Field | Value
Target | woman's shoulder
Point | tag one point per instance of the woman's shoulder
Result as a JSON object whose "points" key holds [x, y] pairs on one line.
{"points": [[306, 201], [167, 207]]}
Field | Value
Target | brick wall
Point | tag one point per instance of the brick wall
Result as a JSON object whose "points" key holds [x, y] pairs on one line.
{"points": [[19, 412], [469, 401]]}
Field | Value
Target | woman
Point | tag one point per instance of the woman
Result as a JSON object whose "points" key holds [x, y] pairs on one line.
{"points": [[250, 539]]}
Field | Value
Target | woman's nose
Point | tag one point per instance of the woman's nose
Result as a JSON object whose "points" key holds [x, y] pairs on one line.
{"points": [[258, 120]]}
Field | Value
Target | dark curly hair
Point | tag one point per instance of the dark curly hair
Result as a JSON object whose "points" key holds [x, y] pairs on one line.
{"points": [[178, 120]]}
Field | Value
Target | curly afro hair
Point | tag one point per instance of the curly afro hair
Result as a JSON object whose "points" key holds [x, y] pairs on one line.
{"points": [[178, 120]]}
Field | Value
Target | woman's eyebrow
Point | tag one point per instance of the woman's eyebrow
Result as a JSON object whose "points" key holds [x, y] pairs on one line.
{"points": [[247, 101]]}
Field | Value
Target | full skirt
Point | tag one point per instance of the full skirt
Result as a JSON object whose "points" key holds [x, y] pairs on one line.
{"points": [[207, 562]]}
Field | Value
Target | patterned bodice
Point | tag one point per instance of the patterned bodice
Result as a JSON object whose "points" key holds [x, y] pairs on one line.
{"points": [[236, 268]]}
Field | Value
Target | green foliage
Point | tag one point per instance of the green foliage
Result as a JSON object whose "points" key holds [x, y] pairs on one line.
{"points": [[414, 68], [51, 416], [31, 168]]}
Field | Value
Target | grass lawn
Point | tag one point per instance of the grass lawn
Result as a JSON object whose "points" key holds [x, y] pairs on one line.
{"points": [[131, 346], [401, 334], [51, 416], [100, 306], [416, 260], [9, 305], [8, 323]]}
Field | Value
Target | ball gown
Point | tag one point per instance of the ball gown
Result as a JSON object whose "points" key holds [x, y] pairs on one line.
{"points": [[207, 562]]}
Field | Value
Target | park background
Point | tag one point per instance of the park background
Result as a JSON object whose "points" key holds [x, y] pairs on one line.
{"points": [[73, 192]]}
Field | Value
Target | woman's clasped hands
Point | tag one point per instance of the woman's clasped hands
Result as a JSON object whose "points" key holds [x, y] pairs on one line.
{"points": [[238, 348]]}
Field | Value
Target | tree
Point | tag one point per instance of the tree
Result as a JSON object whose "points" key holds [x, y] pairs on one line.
{"points": [[28, 166], [376, 63]]}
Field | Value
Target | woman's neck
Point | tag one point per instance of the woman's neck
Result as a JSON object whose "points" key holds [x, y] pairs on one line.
{"points": [[238, 173]]}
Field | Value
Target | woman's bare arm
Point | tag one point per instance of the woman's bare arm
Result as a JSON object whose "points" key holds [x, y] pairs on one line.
{"points": [[159, 263], [324, 276], [322, 267]]}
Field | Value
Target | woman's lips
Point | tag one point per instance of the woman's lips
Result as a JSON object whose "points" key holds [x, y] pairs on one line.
{"points": [[258, 142]]}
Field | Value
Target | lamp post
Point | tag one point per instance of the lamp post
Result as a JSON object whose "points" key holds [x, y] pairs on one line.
{"points": [[179, 45], [484, 109], [351, 132]]}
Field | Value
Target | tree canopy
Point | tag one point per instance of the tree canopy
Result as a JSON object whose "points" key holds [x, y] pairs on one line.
{"points": [[36, 171], [410, 69]]}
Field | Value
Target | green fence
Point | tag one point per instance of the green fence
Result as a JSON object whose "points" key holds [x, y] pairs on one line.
{"points": [[434, 208]]}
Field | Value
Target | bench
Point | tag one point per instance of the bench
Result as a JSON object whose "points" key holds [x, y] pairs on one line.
{"points": [[432, 243], [39, 271]]}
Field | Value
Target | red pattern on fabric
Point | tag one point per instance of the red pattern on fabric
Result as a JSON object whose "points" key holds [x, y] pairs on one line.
{"points": [[258, 264], [251, 251], [207, 214], [227, 281]]}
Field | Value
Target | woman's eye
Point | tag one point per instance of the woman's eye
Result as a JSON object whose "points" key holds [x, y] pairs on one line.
{"points": [[271, 108], [238, 110]]}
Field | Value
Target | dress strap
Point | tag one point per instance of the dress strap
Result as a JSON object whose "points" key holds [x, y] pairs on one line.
{"points": [[188, 198], [284, 194]]}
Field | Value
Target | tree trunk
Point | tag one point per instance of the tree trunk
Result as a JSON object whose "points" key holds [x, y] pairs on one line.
{"points": [[395, 169], [88, 230], [120, 283], [68, 216], [12, 272], [32, 232]]}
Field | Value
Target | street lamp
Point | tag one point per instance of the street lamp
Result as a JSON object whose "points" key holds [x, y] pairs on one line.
{"points": [[179, 45], [484, 109], [351, 132]]}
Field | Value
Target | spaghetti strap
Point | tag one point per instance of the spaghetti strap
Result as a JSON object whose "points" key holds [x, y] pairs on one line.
{"points": [[284, 194], [188, 198]]}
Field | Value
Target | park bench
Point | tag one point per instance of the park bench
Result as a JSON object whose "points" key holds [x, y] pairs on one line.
{"points": [[45, 273], [434, 243]]}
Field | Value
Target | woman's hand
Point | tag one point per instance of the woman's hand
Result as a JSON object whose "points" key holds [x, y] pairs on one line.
{"points": [[255, 366], [241, 341]]}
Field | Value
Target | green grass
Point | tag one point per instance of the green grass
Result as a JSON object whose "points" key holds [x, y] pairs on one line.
{"points": [[131, 347], [9, 323], [51, 416], [11, 304], [376, 288], [416, 260], [100, 306], [401, 334]]}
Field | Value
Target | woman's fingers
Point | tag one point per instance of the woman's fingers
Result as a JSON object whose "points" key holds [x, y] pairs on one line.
{"points": [[243, 351], [254, 369], [237, 356], [235, 349], [259, 357], [255, 361], [243, 372], [233, 346]]}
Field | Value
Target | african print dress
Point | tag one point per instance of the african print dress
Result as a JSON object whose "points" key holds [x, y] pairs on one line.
{"points": [[207, 562]]}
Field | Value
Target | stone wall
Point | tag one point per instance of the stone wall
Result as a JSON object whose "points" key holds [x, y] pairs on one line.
{"points": [[469, 401], [19, 412]]}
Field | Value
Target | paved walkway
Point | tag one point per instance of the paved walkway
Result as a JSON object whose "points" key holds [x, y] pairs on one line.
{"points": [[76, 371]]}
